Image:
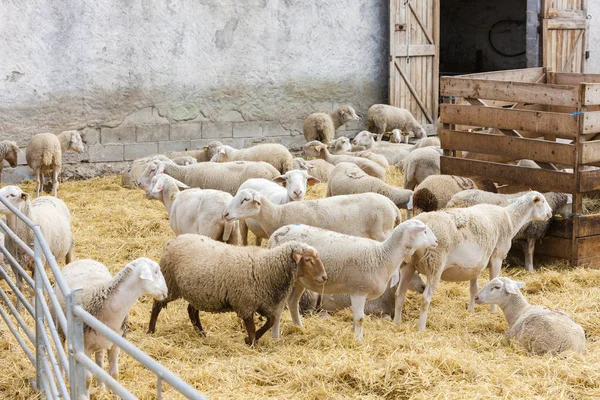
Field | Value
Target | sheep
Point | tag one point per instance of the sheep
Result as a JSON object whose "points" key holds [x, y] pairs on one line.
{"points": [[343, 145], [44, 155], [217, 277], [369, 215], [471, 239], [109, 299], [295, 182], [381, 118], [393, 152], [419, 164], [130, 178], [356, 266], [320, 169], [273, 153], [54, 219], [322, 126], [318, 149], [203, 155], [348, 178], [9, 152], [383, 306], [436, 190], [528, 164], [197, 211], [430, 141], [185, 160], [531, 232], [226, 177], [538, 329]]}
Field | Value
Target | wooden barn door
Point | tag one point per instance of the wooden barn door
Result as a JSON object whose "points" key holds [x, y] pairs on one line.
{"points": [[414, 61], [564, 35]]}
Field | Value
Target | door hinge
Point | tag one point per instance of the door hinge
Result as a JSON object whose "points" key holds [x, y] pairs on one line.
{"points": [[587, 54], [399, 27]]}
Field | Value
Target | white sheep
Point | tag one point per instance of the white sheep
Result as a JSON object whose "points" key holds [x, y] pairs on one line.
{"points": [[44, 155], [419, 164], [185, 160], [348, 178], [430, 141], [109, 299], [344, 145], [368, 215], [538, 329], [53, 217], [201, 155], [318, 168], [9, 152], [294, 189], [318, 149], [197, 211], [382, 118], [130, 178], [273, 153], [216, 277], [356, 266], [322, 126], [470, 239], [226, 177], [393, 152]]}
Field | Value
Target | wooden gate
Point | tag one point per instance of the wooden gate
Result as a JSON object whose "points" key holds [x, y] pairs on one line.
{"points": [[564, 35], [414, 61]]}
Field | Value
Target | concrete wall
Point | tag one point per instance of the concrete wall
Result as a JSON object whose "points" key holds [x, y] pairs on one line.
{"points": [[140, 77], [593, 64]]}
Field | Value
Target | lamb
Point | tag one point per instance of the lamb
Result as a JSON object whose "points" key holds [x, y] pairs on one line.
{"points": [[197, 211], [226, 177], [318, 149], [369, 215], [53, 217], [217, 277], [348, 178], [343, 145], [185, 160], [9, 152], [273, 153], [320, 169], [109, 299], [471, 239], [436, 190], [419, 164], [44, 155], [430, 141], [130, 178], [531, 232], [392, 152], [203, 155], [356, 266], [322, 126], [538, 329], [295, 182], [382, 118]]}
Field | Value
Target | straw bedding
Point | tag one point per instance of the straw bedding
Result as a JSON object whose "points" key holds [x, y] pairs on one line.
{"points": [[460, 355]]}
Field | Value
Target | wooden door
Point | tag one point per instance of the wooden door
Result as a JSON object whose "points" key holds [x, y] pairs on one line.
{"points": [[564, 35], [414, 61]]}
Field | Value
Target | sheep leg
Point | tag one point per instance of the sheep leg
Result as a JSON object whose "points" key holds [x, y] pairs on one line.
{"points": [[275, 329], [358, 309], [157, 306], [263, 329], [474, 289], [408, 271], [528, 249], [55, 182], [244, 232], [294, 304], [39, 181], [195, 319], [258, 241], [113, 361], [99, 355], [430, 287], [494, 266], [250, 328]]}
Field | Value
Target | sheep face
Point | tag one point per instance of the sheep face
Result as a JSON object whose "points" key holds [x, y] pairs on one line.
{"points": [[223, 154], [12, 155], [151, 280], [309, 264], [498, 291], [158, 183], [76, 143], [541, 210], [295, 182], [347, 114], [417, 284], [313, 148], [246, 203], [153, 168], [417, 236], [363, 138], [14, 195]]}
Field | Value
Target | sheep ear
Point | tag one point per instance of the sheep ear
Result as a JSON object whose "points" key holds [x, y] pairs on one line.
{"points": [[146, 273], [222, 151], [536, 199], [513, 287], [395, 278], [24, 196], [279, 179], [256, 199], [297, 257], [312, 180], [160, 168]]}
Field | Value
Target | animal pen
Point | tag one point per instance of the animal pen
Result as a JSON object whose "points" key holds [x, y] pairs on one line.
{"points": [[549, 117]]}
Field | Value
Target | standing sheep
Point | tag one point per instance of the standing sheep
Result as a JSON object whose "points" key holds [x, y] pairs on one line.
{"points": [[9, 152], [322, 126], [320, 169], [203, 155], [44, 155], [382, 118], [348, 178], [273, 153], [318, 149], [470, 239], [217, 277], [419, 164], [538, 329]]}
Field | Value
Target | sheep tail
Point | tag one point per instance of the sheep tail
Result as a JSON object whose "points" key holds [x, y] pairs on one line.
{"points": [[47, 157]]}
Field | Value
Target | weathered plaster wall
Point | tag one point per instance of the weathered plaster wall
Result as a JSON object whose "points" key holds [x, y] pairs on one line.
{"points": [[139, 77], [593, 64]]}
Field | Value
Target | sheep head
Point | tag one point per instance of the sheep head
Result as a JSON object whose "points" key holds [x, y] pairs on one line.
{"points": [[15, 196], [151, 280], [295, 182], [309, 263], [498, 291], [246, 203], [12, 156]]}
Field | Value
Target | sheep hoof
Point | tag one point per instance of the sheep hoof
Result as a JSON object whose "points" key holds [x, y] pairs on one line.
{"points": [[248, 341]]}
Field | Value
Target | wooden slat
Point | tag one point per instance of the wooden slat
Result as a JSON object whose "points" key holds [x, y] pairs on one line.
{"points": [[518, 75], [552, 246], [588, 247], [561, 227], [589, 225], [589, 180], [590, 152], [591, 122], [592, 93], [539, 179], [558, 124], [517, 92], [513, 147], [570, 14], [565, 78], [566, 24], [415, 50], [588, 262], [414, 93]]}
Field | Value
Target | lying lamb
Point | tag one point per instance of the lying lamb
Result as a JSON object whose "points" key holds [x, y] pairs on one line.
{"points": [[318, 168], [383, 118], [130, 178], [322, 126], [318, 149], [538, 329], [216, 277], [273, 153], [393, 153]]}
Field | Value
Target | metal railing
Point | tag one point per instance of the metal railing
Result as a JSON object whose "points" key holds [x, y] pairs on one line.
{"points": [[40, 338]]}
